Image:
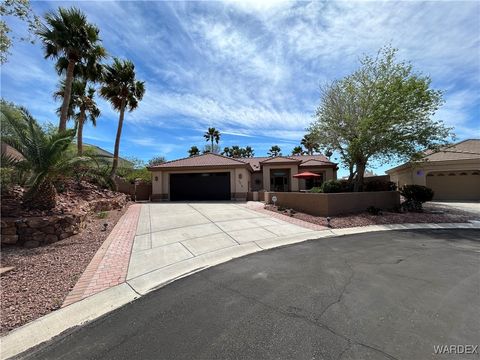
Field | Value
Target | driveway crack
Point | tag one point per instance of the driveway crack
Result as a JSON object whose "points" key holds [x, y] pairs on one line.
{"points": [[296, 314]]}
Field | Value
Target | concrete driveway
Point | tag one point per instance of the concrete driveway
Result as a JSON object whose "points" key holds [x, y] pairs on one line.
{"points": [[472, 207], [384, 295], [174, 233]]}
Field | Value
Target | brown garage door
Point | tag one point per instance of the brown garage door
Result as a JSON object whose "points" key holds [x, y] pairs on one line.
{"points": [[455, 185], [200, 186]]}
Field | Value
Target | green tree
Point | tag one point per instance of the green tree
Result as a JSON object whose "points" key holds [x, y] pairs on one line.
{"points": [[297, 150], [21, 9], [193, 151], [157, 160], [310, 144], [45, 156], [68, 34], [275, 151], [381, 112], [123, 91], [212, 135], [82, 107]]}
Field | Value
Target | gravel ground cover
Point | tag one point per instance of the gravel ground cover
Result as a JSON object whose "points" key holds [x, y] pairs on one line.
{"points": [[42, 277], [430, 215]]}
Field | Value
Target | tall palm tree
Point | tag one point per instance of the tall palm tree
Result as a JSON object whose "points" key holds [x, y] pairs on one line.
{"points": [[310, 144], [194, 151], [68, 34], [123, 91], [275, 151], [212, 135], [82, 108], [248, 152], [297, 150], [45, 157]]}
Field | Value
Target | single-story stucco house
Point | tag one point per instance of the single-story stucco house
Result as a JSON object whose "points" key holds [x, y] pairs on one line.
{"points": [[217, 177], [453, 173]]}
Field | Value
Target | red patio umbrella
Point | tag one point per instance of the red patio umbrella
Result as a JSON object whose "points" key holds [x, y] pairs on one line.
{"points": [[306, 175]]}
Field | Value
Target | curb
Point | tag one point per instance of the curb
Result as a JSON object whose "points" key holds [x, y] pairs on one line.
{"points": [[90, 308]]}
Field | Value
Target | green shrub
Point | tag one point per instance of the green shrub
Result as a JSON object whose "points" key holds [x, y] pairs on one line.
{"points": [[336, 186], [415, 196], [102, 214], [316, 189], [380, 185]]}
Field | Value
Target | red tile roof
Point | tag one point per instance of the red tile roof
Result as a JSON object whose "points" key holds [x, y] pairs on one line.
{"points": [[255, 161], [209, 160], [204, 160]]}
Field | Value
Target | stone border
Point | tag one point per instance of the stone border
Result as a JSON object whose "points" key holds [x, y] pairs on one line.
{"points": [[88, 309], [109, 265]]}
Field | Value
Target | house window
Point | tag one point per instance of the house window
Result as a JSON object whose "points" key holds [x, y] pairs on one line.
{"points": [[314, 182]]}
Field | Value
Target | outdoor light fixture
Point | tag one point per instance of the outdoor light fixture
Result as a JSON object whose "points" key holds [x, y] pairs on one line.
{"points": [[156, 178], [328, 222]]}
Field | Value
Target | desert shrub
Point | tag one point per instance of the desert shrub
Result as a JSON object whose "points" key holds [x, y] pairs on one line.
{"points": [[380, 185], [415, 196], [102, 214], [336, 186], [374, 210]]}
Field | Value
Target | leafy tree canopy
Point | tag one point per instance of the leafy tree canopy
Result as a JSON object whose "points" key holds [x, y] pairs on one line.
{"points": [[21, 9], [381, 112], [157, 160]]}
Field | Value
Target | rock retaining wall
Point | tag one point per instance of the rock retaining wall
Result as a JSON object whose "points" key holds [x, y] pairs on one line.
{"points": [[41, 230]]}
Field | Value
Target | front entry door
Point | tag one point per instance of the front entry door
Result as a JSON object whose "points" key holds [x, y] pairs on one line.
{"points": [[279, 180]]}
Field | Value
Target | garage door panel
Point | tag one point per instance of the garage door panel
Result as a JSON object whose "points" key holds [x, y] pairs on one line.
{"points": [[463, 185], [200, 186]]}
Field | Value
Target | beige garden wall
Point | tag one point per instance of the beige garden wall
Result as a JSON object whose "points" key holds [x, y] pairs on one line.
{"points": [[335, 204]]}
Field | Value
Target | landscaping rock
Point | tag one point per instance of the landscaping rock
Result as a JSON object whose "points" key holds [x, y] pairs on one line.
{"points": [[31, 244], [29, 227], [9, 239]]}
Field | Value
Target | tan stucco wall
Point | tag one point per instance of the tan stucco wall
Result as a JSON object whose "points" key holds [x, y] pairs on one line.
{"points": [[240, 181], [335, 204]]}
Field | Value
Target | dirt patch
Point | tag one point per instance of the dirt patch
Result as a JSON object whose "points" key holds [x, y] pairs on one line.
{"points": [[42, 277], [432, 214]]}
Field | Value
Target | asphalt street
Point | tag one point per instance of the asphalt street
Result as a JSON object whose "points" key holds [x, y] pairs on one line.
{"points": [[383, 295]]}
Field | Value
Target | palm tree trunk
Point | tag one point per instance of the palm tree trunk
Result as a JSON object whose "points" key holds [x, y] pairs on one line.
{"points": [[66, 96], [211, 149], [117, 141], [81, 121]]}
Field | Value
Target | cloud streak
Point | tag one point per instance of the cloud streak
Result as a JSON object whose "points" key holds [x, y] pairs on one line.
{"points": [[253, 69]]}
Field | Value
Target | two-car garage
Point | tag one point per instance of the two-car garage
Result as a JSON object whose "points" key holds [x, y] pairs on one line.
{"points": [[207, 177], [200, 186]]}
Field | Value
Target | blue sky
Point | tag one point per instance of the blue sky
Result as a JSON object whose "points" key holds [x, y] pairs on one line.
{"points": [[253, 69]]}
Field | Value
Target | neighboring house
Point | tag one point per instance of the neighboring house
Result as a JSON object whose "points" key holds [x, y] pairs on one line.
{"points": [[453, 173], [106, 154], [10, 151], [216, 177]]}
